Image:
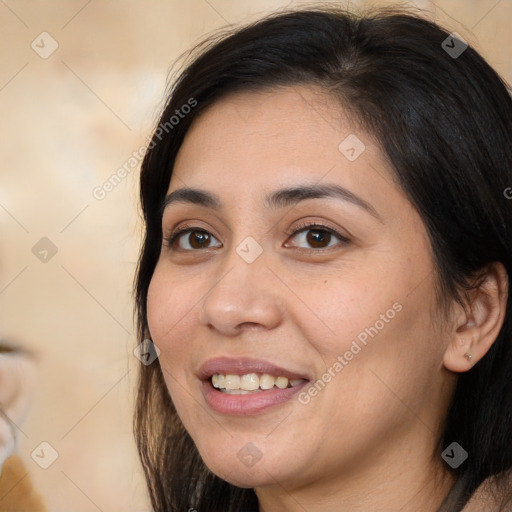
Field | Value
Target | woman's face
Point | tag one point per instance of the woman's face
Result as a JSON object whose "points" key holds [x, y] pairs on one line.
{"points": [[340, 311]]}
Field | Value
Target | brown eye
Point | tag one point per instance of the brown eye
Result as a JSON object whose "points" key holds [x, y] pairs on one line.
{"points": [[192, 239], [198, 239], [315, 236], [318, 238]]}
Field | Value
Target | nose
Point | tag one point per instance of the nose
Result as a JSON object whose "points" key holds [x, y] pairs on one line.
{"points": [[245, 297]]}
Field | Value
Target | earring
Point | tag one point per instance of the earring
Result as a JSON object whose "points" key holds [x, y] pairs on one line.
{"points": [[468, 356]]}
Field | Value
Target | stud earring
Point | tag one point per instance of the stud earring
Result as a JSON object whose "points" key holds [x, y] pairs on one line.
{"points": [[468, 356]]}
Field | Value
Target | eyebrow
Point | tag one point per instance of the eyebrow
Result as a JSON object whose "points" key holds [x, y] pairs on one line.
{"points": [[277, 199]]}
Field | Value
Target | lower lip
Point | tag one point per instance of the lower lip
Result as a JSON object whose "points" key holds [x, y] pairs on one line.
{"points": [[243, 405]]}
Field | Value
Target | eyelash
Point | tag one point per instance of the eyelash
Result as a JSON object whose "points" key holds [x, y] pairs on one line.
{"points": [[171, 239]]}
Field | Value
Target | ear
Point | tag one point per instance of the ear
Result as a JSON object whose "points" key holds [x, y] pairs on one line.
{"points": [[477, 325]]}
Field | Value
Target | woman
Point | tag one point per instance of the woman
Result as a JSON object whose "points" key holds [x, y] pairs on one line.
{"points": [[325, 271]]}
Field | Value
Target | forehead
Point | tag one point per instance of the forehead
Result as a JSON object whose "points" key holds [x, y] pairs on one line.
{"points": [[252, 142], [266, 124]]}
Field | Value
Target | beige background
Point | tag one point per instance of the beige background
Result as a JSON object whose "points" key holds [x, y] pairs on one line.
{"points": [[68, 123]]}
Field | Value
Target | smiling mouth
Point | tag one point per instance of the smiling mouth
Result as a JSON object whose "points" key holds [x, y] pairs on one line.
{"points": [[245, 386], [250, 383]]}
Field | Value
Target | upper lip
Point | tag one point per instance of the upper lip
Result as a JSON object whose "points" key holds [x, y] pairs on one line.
{"points": [[244, 365]]}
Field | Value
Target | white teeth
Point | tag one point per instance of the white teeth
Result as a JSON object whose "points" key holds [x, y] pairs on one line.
{"points": [[232, 382], [250, 383], [218, 381], [282, 382], [238, 391], [267, 381]]}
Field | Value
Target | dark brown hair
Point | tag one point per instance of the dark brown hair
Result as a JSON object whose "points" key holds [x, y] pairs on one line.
{"points": [[445, 125]]}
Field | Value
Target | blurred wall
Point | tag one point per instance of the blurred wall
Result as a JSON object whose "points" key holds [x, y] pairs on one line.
{"points": [[81, 83]]}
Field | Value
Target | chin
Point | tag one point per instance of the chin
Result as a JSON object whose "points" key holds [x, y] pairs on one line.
{"points": [[246, 478], [247, 475]]}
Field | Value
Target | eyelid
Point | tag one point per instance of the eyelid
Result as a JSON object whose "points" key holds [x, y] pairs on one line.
{"points": [[315, 224], [184, 228]]}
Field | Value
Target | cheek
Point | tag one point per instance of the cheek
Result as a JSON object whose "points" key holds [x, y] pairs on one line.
{"points": [[379, 328], [342, 309], [169, 304], [390, 360], [158, 303], [170, 313]]}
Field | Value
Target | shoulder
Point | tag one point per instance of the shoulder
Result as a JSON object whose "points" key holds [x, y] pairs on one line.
{"points": [[488, 498]]}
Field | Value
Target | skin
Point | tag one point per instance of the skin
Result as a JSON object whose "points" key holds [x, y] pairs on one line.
{"points": [[365, 441]]}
